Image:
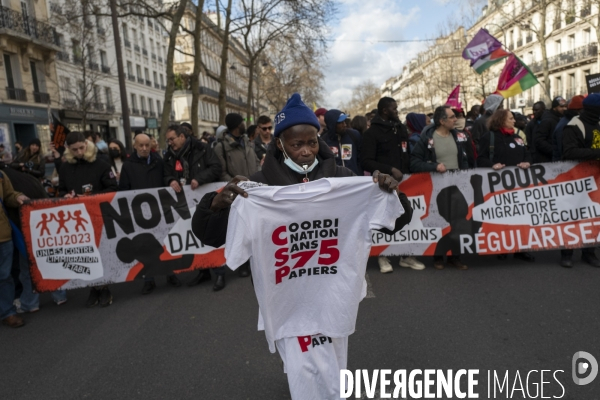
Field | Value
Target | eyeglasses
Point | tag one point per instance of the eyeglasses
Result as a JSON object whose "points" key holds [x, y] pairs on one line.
{"points": [[171, 139], [266, 128]]}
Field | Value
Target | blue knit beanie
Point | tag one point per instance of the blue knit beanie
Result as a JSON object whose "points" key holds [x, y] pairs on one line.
{"points": [[295, 112], [593, 100]]}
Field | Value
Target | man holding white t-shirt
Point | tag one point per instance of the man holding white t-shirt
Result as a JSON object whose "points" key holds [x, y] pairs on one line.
{"points": [[308, 249]]}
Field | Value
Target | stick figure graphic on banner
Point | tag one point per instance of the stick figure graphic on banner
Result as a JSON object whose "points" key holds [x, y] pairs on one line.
{"points": [[453, 207], [62, 220], [79, 220], [44, 224]]}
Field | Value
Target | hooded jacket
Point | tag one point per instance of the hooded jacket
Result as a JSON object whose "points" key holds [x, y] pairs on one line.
{"points": [[423, 157], [578, 141], [557, 135], [34, 164], [235, 158], [200, 160], [211, 227], [385, 146], [88, 171], [139, 173], [542, 136], [345, 147]]}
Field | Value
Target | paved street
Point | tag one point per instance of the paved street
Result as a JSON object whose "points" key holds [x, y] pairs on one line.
{"points": [[192, 343]]}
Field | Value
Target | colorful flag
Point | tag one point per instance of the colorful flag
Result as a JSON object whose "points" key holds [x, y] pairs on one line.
{"points": [[485, 62], [484, 50], [453, 98], [515, 78]]}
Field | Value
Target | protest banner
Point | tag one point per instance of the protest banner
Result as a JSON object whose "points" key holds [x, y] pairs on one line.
{"points": [[593, 83], [114, 237], [482, 211], [118, 237]]}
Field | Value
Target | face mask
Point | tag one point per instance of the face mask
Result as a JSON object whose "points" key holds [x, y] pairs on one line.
{"points": [[102, 146], [114, 153], [301, 169]]}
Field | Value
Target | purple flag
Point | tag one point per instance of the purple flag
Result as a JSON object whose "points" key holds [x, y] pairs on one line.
{"points": [[482, 45]]}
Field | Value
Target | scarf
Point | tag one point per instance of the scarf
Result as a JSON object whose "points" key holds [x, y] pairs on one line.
{"points": [[507, 132], [460, 123]]}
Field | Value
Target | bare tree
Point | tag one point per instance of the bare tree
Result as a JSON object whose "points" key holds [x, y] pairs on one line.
{"points": [[296, 70], [224, 58], [167, 104], [197, 67], [362, 96]]}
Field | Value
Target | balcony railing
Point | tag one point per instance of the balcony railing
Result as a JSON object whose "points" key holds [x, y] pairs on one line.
{"points": [[106, 69], [110, 108], [156, 86], [145, 52], [148, 83], [93, 66], [144, 113], [127, 43], [131, 77], [578, 54], [152, 114], [585, 11], [16, 94], [209, 92], [69, 103], [63, 56], [136, 48], [15, 21], [39, 97], [98, 106], [134, 111], [140, 80]]}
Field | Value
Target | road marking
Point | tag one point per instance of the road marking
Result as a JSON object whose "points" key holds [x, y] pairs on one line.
{"points": [[370, 293]]}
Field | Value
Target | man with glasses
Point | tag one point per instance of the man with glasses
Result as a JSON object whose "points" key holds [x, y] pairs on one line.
{"points": [[439, 150], [188, 161], [542, 135], [265, 136]]}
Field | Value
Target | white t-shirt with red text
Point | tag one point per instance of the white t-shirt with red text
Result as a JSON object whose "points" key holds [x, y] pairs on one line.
{"points": [[308, 246]]}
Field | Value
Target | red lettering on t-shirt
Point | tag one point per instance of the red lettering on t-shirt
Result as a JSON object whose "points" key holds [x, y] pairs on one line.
{"points": [[277, 239], [304, 342]]}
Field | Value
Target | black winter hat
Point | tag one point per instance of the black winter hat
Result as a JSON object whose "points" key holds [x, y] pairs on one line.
{"points": [[35, 141], [556, 101], [233, 120]]}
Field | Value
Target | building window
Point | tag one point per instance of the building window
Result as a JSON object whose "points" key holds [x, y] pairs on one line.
{"points": [[138, 69], [143, 103], [103, 58], [125, 32], [158, 108], [129, 68], [108, 95], [133, 101], [10, 78]]}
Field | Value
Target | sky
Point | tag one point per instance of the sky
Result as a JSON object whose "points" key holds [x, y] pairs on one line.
{"points": [[350, 63]]}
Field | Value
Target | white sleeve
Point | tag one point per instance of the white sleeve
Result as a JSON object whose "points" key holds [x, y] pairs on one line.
{"points": [[238, 246], [386, 209]]}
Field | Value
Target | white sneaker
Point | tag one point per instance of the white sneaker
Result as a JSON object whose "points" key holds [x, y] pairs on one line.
{"points": [[385, 266], [411, 262]]}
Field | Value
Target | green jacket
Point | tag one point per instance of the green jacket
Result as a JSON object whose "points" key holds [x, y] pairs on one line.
{"points": [[235, 158], [9, 198]]}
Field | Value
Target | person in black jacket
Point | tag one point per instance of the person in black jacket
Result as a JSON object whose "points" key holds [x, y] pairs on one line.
{"points": [[343, 142], [574, 108], [581, 142], [502, 147], [386, 148], [440, 150], [538, 110], [190, 162], [298, 148], [144, 170], [542, 135], [83, 174]]}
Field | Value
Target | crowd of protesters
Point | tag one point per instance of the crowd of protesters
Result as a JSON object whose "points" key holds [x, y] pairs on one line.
{"points": [[488, 136]]}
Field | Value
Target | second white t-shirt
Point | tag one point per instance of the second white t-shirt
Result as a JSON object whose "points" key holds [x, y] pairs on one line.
{"points": [[308, 246]]}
